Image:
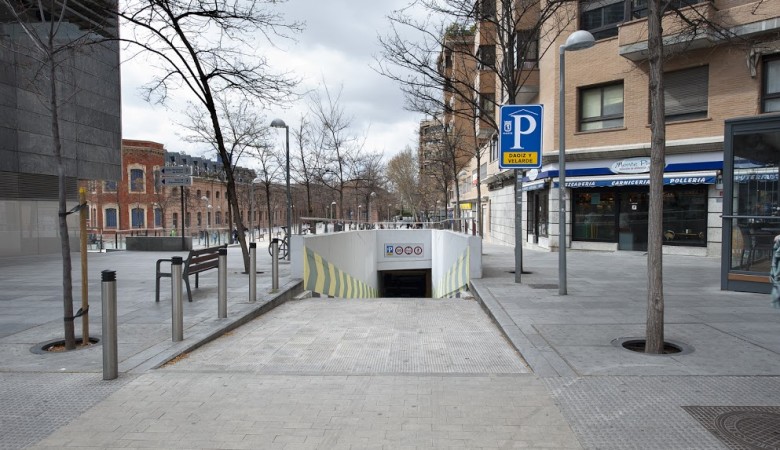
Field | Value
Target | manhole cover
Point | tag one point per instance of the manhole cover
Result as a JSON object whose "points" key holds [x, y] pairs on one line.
{"points": [[543, 286], [741, 427]]}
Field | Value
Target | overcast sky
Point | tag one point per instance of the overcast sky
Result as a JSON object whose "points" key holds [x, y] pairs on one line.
{"points": [[338, 45]]}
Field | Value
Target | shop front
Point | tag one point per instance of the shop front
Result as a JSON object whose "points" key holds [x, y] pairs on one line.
{"points": [[751, 216], [609, 202]]}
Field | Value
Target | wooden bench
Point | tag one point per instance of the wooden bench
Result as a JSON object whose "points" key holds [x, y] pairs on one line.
{"points": [[197, 261]]}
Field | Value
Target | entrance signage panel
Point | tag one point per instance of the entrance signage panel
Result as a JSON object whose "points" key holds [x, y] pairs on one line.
{"points": [[403, 250], [176, 170], [176, 181], [520, 141]]}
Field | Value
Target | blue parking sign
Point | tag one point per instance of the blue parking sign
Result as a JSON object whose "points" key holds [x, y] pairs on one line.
{"points": [[520, 140]]}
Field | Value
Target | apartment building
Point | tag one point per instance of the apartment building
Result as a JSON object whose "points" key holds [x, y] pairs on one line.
{"points": [[725, 69]]}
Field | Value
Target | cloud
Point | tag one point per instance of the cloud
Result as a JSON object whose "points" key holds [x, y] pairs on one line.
{"points": [[337, 47]]}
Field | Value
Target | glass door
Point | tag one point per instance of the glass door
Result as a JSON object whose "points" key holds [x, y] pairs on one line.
{"points": [[632, 221]]}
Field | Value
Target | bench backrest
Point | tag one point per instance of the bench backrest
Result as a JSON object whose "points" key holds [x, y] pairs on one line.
{"points": [[203, 259]]}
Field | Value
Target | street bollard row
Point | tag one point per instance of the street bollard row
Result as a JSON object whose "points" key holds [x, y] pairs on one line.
{"points": [[109, 301]]}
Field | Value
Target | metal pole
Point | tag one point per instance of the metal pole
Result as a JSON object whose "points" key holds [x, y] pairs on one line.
{"points": [[108, 293], [275, 265], [289, 198], [181, 194], [252, 272], [562, 174], [84, 282], [222, 301], [518, 228], [177, 307]]}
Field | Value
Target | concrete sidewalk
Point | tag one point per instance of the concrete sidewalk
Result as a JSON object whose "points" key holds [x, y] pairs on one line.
{"points": [[723, 392], [615, 398]]}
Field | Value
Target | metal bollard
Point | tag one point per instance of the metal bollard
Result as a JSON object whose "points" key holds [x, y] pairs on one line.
{"points": [[177, 306], [108, 290], [275, 265], [252, 272], [222, 301]]}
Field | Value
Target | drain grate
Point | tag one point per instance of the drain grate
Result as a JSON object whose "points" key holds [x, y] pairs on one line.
{"points": [[543, 286], [741, 427]]}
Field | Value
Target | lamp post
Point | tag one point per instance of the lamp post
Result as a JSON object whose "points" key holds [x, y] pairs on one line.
{"points": [[578, 40], [279, 123]]}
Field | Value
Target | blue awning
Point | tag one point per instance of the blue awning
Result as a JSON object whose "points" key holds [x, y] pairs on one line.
{"points": [[670, 178]]}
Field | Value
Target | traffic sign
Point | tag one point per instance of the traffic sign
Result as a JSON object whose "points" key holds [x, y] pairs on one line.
{"points": [[176, 170], [521, 137], [176, 181]]}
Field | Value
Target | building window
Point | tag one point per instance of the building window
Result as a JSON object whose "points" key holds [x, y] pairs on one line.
{"points": [[685, 94], [493, 149], [187, 221], [487, 106], [218, 218], [175, 220], [601, 17], [593, 215], [527, 43], [136, 180], [137, 218], [199, 218], [109, 186], [111, 218], [158, 218], [216, 195], [601, 107], [486, 57], [487, 9], [771, 85], [157, 181]]}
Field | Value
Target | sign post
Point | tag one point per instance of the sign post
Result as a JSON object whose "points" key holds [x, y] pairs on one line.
{"points": [[177, 176], [520, 146]]}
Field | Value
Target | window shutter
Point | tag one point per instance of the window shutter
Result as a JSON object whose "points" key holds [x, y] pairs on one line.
{"points": [[685, 91]]}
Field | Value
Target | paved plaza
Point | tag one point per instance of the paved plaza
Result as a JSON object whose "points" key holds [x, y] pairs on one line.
{"points": [[514, 366]]}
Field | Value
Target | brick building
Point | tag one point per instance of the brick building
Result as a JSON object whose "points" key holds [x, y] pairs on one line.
{"points": [[709, 79]]}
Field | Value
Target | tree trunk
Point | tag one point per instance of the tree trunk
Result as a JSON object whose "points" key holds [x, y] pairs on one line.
{"points": [[67, 279], [655, 289]]}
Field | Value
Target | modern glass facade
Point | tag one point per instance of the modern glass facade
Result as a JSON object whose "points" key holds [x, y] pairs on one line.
{"points": [[751, 216]]}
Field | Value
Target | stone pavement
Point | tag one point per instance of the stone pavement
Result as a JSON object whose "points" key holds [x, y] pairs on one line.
{"points": [[268, 385], [616, 399]]}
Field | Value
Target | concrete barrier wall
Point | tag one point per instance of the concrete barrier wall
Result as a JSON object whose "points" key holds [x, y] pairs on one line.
{"points": [[346, 264]]}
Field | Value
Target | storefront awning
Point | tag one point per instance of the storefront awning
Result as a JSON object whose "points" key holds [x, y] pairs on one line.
{"points": [[533, 185], [670, 178]]}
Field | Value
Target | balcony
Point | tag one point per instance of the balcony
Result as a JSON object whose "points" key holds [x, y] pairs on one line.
{"points": [[716, 21]]}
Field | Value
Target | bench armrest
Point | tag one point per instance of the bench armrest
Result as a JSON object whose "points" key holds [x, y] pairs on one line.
{"points": [[161, 261]]}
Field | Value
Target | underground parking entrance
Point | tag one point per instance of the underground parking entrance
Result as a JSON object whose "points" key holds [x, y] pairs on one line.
{"points": [[410, 283]]}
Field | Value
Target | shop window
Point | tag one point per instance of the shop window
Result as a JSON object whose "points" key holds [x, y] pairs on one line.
{"points": [[136, 180], [111, 218], [601, 107], [686, 94], [594, 215], [158, 217], [685, 215], [771, 85]]}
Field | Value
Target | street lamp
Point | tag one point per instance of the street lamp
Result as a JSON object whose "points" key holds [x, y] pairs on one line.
{"points": [[578, 40], [279, 123], [358, 215]]}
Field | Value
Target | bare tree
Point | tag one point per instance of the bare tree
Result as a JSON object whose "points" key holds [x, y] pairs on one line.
{"points": [[205, 48], [449, 31], [243, 129], [339, 148], [305, 159], [53, 42]]}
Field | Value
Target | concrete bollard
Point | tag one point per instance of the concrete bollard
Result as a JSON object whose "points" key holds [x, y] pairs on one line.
{"points": [[222, 301], [253, 272], [177, 306], [110, 359], [275, 265]]}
